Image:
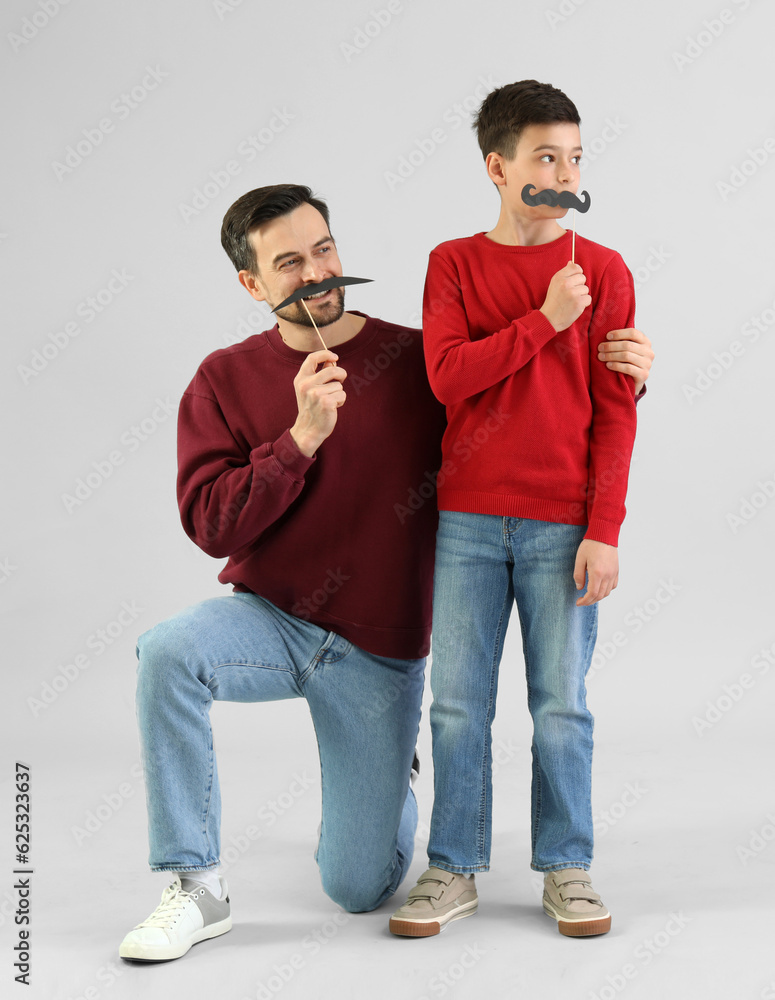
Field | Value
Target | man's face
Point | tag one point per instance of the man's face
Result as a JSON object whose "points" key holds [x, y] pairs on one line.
{"points": [[547, 156], [295, 250]]}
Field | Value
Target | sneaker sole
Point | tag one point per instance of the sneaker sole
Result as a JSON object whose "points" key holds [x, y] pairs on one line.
{"points": [[141, 953], [431, 926], [578, 928]]}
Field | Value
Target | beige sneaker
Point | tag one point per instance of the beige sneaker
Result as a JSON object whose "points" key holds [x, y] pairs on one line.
{"points": [[574, 904], [437, 898]]}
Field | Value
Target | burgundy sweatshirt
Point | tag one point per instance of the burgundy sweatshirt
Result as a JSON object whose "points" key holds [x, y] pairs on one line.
{"points": [[538, 426], [344, 539]]}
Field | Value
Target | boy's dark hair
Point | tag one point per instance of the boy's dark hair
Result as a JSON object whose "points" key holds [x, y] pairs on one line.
{"points": [[254, 209], [507, 111]]}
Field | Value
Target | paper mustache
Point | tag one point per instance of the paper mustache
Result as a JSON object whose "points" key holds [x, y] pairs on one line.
{"points": [[556, 199], [321, 286]]}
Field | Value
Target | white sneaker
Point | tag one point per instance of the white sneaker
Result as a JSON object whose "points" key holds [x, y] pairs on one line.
{"points": [[182, 918]]}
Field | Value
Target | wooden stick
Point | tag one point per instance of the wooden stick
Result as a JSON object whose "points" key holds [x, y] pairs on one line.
{"points": [[314, 324], [573, 251]]}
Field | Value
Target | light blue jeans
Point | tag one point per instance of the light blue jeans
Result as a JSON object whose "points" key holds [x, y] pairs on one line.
{"points": [[483, 563], [366, 713]]}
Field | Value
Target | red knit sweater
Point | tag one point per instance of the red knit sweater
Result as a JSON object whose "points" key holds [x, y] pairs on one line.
{"points": [[344, 539], [538, 427]]}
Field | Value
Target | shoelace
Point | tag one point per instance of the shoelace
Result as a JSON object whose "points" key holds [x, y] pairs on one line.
{"points": [[173, 899]]}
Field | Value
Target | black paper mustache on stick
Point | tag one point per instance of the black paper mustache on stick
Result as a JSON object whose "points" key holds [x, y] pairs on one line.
{"points": [[555, 199], [321, 286], [561, 199]]}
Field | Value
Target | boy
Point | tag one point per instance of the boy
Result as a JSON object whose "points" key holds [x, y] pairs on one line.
{"points": [[531, 497]]}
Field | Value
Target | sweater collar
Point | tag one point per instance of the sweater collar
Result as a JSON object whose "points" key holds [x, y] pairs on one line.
{"points": [[361, 339]]}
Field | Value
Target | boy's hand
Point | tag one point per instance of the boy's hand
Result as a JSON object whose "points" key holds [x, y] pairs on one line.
{"points": [[319, 394], [567, 297], [601, 563], [628, 351]]}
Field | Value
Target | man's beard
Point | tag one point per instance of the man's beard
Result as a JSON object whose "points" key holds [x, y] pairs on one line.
{"points": [[323, 314]]}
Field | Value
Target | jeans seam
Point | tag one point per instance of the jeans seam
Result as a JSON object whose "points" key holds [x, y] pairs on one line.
{"points": [[209, 795]]}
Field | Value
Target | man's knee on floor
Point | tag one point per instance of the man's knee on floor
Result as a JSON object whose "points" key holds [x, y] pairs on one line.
{"points": [[354, 895]]}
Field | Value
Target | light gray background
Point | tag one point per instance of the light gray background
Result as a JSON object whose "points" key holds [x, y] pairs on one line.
{"points": [[676, 808]]}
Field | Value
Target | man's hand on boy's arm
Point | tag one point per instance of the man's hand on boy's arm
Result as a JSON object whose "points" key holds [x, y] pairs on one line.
{"points": [[601, 563], [628, 351]]}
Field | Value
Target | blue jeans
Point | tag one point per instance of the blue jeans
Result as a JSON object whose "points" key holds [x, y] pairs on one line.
{"points": [[483, 563], [366, 713]]}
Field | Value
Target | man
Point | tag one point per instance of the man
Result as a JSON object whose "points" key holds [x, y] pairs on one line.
{"points": [[306, 486]]}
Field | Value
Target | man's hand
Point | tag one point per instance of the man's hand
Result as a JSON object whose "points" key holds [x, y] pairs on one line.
{"points": [[567, 297], [319, 394], [601, 563], [628, 351]]}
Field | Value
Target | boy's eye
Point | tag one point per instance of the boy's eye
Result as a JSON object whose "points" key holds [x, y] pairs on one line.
{"points": [[547, 156]]}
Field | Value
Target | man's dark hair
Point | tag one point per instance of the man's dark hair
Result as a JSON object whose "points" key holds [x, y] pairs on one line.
{"points": [[254, 209], [507, 111]]}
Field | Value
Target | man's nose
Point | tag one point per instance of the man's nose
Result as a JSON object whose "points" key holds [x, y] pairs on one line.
{"points": [[313, 272]]}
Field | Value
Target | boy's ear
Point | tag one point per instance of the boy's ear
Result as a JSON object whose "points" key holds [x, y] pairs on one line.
{"points": [[495, 168]]}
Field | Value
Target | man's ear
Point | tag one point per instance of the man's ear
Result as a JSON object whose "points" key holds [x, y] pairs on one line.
{"points": [[252, 283]]}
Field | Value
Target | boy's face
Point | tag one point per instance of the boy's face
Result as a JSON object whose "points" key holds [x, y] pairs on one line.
{"points": [[547, 156]]}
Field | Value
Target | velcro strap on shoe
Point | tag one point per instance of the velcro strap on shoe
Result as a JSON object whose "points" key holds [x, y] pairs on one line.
{"points": [[425, 891], [437, 875], [572, 894]]}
